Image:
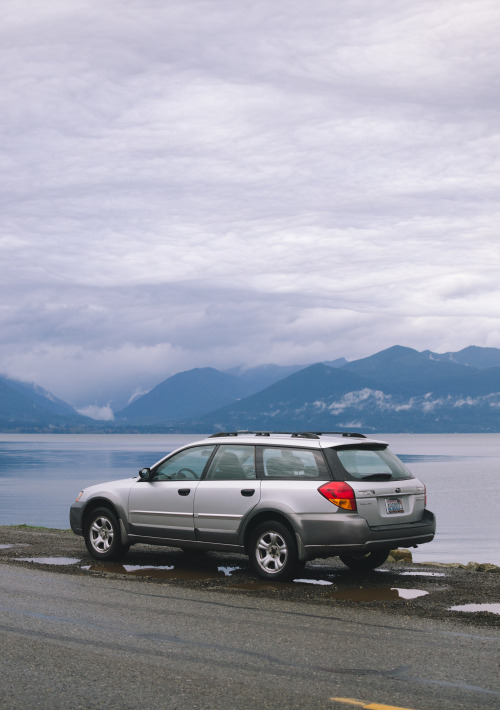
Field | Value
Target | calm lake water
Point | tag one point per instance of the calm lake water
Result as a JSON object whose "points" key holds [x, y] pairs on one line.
{"points": [[40, 475]]}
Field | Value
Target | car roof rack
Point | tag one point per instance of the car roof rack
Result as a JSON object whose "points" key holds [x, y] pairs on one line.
{"points": [[293, 434], [353, 434]]}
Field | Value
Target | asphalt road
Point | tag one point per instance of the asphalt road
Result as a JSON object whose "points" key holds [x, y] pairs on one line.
{"points": [[79, 641]]}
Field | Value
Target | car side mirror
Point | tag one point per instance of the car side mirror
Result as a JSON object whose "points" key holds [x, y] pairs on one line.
{"points": [[144, 474]]}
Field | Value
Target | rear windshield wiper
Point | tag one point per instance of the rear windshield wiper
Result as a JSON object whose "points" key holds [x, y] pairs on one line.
{"points": [[377, 477]]}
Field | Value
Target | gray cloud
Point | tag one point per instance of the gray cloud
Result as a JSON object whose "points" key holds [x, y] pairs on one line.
{"points": [[196, 183]]}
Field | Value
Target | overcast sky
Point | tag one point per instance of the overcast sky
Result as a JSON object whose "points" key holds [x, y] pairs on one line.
{"points": [[190, 183]]}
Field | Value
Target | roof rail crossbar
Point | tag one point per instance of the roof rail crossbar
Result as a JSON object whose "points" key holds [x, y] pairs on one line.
{"points": [[305, 435], [295, 434], [354, 434], [224, 433]]}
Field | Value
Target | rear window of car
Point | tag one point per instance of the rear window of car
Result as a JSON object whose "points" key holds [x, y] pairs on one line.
{"points": [[368, 463]]}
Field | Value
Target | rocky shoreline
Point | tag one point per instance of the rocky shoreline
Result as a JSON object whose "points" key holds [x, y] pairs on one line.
{"points": [[406, 556], [428, 590]]}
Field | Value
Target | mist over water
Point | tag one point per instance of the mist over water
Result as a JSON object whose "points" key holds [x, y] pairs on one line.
{"points": [[41, 474]]}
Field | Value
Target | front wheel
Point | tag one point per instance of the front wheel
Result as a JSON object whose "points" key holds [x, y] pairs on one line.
{"points": [[273, 551], [102, 535], [365, 561]]}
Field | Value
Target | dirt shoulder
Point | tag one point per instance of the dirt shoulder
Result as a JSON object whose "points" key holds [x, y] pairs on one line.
{"points": [[404, 588]]}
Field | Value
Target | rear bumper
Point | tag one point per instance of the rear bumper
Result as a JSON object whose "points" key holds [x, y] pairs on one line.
{"points": [[353, 534]]}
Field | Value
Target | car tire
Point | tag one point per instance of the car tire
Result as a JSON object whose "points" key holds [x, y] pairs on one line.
{"points": [[102, 535], [365, 561], [273, 551]]}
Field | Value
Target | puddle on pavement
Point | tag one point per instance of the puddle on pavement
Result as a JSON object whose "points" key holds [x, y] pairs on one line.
{"points": [[377, 594], [171, 572], [368, 594], [258, 585], [422, 574], [137, 568], [372, 594], [491, 608], [320, 582], [49, 560], [190, 573]]}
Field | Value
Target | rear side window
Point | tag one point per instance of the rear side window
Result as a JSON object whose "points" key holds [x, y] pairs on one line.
{"points": [[232, 463], [293, 464], [369, 463]]}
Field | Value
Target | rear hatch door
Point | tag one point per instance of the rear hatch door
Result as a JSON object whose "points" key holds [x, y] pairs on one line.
{"points": [[386, 491], [391, 502]]}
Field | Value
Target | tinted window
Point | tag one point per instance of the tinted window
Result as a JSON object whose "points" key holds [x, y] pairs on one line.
{"points": [[186, 465], [293, 463], [373, 463], [232, 462]]}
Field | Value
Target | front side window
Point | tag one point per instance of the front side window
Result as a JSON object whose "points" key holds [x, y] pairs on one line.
{"points": [[372, 464], [293, 463], [187, 465], [232, 462]]}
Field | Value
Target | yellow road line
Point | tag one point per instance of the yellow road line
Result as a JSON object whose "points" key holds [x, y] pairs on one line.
{"points": [[368, 706]]}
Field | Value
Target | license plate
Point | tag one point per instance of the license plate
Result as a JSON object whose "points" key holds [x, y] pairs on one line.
{"points": [[394, 505]]}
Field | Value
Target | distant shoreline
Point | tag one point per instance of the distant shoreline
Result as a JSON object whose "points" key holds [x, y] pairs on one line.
{"points": [[106, 429]]}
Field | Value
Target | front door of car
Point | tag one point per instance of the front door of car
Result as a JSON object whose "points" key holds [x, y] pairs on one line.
{"points": [[226, 494], [163, 506]]}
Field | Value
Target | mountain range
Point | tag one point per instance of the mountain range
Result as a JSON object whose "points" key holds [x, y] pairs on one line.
{"points": [[29, 407], [396, 390]]}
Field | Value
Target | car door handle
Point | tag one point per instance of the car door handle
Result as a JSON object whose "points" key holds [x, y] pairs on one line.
{"points": [[247, 492], [184, 491]]}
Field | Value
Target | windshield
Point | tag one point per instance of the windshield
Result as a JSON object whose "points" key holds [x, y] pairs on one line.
{"points": [[371, 463]]}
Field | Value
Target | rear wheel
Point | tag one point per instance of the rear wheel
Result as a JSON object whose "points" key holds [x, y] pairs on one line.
{"points": [[365, 561], [102, 535], [273, 551]]}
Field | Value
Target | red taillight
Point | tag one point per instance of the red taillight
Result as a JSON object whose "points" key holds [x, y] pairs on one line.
{"points": [[340, 494]]}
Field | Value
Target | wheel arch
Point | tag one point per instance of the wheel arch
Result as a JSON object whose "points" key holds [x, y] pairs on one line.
{"points": [[100, 503], [119, 540], [263, 516]]}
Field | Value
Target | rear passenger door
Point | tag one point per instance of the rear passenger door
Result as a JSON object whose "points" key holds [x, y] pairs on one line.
{"points": [[227, 493]]}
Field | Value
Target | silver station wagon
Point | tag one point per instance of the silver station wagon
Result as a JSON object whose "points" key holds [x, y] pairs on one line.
{"points": [[280, 498]]}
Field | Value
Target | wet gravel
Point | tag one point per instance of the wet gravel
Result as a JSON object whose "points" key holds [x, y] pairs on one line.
{"points": [[404, 588]]}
